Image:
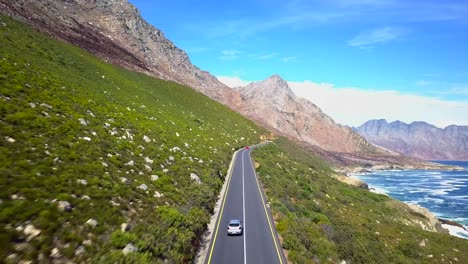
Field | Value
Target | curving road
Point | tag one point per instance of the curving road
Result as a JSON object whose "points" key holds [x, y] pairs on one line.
{"points": [[244, 200]]}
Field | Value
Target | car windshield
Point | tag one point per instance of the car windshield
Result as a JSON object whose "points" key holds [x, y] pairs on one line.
{"points": [[234, 224]]}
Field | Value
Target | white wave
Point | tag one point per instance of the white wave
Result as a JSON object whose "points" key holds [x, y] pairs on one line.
{"points": [[456, 231], [461, 197], [434, 200], [379, 190]]}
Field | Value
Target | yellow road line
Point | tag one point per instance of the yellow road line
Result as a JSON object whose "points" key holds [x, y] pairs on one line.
{"points": [[266, 213], [222, 209]]}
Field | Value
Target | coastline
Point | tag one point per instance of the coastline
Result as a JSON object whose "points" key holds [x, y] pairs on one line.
{"points": [[450, 226]]}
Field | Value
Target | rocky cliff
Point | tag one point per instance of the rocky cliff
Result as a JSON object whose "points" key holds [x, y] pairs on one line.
{"points": [[115, 31], [418, 139], [272, 103]]}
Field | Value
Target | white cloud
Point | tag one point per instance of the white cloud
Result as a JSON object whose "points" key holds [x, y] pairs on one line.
{"points": [[354, 106], [369, 38], [289, 59], [230, 54], [232, 81]]}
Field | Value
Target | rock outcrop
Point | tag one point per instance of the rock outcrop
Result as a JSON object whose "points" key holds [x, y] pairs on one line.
{"points": [[418, 139], [272, 103]]}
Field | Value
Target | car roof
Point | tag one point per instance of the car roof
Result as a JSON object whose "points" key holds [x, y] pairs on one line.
{"points": [[234, 221]]}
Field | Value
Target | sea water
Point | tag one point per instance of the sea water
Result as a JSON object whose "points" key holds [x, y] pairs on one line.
{"points": [[444, 193]]}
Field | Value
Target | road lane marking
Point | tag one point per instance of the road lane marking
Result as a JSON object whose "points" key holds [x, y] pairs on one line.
{"points": [[266, 213], [220, 216], [243, 206]]}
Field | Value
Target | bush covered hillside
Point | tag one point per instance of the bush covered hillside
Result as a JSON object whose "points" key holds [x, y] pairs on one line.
{"points": [[97, 161], [322, 220]]}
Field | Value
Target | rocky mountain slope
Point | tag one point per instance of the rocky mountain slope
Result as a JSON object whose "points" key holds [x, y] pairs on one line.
{"points": [[418, 139], [272, 103], [115, 31]]}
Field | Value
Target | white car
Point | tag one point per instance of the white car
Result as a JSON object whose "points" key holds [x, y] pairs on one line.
{"points": [[234, 227]]}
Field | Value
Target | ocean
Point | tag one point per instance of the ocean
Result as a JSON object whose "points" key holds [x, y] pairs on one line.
{"points": [[444, 193]]}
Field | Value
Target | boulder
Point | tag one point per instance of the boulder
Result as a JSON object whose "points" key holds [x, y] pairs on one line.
{"points": [[79, 251], [84, 182], [148, 160], [195, 178], [92, 222], [124, 180], [31, 232], [124, 227], [65, 206], [129, 248], [10, 139], [143, 186], [153, 178], [55, 253]]}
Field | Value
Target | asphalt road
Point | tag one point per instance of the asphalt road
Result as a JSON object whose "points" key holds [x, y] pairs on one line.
{"points": [[244, 200]]}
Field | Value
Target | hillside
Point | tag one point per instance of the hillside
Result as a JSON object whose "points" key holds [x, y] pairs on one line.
{"points": [[418, 139], [321, 220], [94, 157]]}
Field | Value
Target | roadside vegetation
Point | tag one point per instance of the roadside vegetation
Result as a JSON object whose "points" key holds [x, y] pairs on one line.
{"points": [[103, 165], [322, 220]]}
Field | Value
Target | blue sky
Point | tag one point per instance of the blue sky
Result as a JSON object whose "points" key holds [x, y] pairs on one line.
{"points": [[412, 48]]}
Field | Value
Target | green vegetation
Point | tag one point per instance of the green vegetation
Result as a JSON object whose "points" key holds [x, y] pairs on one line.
{"points": [[75, 129], [323, 220]]}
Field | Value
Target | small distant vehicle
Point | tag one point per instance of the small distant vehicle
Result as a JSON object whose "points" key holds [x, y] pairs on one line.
{"points": [[247, 147], [234, 227]]}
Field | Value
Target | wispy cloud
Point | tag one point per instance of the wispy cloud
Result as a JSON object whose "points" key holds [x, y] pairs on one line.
{"points": [[289, 59], [247, 27], [229, 54], [264, 56], [424, 83], [300, 14], [377, 36], [196, 49]]}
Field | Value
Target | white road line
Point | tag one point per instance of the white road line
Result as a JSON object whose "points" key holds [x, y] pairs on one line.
{"points": [[243, 206]]}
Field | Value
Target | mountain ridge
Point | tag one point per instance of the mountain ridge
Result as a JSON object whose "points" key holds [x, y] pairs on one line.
{"points": [[418, 139]]}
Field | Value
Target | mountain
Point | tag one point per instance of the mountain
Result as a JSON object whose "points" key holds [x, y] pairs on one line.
{"points": [[272, 103], [418, 139], [115, 31]]}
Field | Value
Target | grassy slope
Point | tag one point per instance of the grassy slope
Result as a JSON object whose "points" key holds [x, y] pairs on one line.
{"points": [[322, 219], [46, 87]]}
